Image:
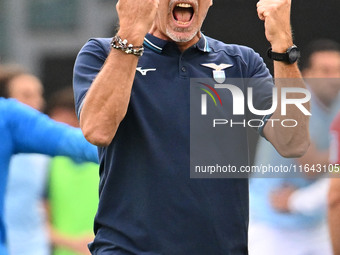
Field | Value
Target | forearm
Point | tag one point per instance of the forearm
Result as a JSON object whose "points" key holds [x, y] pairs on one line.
{"points": [[289, 141], [76, 244], [73, 144], [107, 100], [311, 199], [57, 240], [34, 132]]}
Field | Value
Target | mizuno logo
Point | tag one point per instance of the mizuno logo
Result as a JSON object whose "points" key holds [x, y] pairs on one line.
{"points": [[144, 71]]}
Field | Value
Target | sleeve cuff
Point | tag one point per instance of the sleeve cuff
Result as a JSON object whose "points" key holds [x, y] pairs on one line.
{"points": [[80, 108]]}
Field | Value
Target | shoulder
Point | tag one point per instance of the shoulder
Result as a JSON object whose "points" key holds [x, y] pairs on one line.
{"points": [[8, 106], [5, 101], [2, 103], [244, 57], [98, 46], [244, 53], [19, 117]]}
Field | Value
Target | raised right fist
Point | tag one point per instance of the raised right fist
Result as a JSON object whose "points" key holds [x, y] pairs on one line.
{"points": [[136, 18]]}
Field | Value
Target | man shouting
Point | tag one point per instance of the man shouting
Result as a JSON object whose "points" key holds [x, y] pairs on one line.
{"points": [[132, 99]]}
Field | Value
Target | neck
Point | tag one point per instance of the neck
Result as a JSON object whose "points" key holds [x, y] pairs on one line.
{"points": [[181, 45]]}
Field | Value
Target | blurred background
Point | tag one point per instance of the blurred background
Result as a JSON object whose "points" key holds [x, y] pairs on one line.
{"points": [[44, 36]]}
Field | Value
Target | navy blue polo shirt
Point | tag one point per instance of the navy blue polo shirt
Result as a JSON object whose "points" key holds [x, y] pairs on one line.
{"points": [[148, 203]]}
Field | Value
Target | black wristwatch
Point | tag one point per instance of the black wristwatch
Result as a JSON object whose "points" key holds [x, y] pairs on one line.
{"points": [[290, 56]]}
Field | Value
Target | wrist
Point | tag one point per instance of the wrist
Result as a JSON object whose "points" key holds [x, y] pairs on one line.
{"points": [[135, 38], [290, 56], [281, 46], [124, 45]]}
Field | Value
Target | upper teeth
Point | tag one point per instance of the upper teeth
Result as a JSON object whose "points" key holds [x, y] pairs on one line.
{"points": [[183, 5]]}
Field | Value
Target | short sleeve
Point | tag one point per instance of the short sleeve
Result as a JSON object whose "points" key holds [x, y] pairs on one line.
{"points": [[262, 84], [89, 62]]}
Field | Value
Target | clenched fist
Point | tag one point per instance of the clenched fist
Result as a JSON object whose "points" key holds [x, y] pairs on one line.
{"points": [[276, 17], [136, 18]]}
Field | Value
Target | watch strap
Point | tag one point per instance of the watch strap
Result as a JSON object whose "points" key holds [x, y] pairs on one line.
{"points": [[278, 56], [287, 56]]}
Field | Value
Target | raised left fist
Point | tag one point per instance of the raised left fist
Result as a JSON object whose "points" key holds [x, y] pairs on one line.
{"points": [[276, 17]]}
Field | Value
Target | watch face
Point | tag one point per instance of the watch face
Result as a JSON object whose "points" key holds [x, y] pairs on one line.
{"points": [[293, 54]]}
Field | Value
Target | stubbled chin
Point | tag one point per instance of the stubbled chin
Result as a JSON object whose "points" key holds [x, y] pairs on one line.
{"points": [[181, 36]]}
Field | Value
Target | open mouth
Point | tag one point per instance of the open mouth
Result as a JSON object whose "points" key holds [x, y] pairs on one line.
{"points": [[183, 13]]}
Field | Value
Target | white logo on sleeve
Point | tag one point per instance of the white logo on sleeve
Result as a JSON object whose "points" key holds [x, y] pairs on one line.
{"points": [[145, 71]]}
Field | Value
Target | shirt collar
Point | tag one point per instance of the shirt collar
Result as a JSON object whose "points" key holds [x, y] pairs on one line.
{"points": [[203, 44], [156, 44]]}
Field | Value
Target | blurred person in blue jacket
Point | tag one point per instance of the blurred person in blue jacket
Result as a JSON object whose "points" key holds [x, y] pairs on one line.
{"points": [[26, 130], [26, 230]]}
